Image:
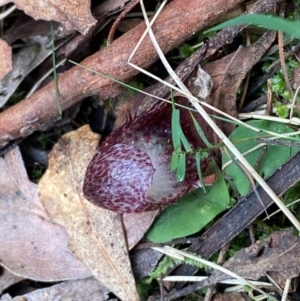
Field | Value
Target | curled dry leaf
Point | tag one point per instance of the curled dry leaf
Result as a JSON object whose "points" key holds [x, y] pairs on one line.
{"points": [[72, 14], [96, 235], [5, 59], [279, 252], [31, 245]]}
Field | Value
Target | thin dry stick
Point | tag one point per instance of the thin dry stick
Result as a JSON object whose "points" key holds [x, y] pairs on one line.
{"points": [[244, 154], [274, 141], [245, 90], [219, 90], [220, 261], [251, 233], [283, 65], [247, 78], [294, 102], [277, 211], [269, 98], [196, 103], [114, 27], [293, 120], [7, 12], [248, 176], [286, 289], [261, 156]]}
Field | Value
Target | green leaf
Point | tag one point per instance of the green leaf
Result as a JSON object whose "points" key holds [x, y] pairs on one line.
{"points": [[57, 94], [175, 124], [270, 22], [200, 132], [184, 141], [198, 164], [180, 174], [174, 161], [192, 212], [275, 156], [178, 136], [178, 160]]}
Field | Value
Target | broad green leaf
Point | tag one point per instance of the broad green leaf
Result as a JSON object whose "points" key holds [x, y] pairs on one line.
{"points": [[270, 22], [180, 173], [200, 132], [275, 156], [192, 212]]}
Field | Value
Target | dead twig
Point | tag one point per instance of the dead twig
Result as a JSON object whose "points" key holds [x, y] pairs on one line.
{"points": [[283, 65], [114, 27]]}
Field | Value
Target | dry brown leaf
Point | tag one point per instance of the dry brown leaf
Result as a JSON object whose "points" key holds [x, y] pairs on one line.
{"points": [[25, 27], [72, 14], [75, 290], [136, 225], [5, 59], [279, 252], [144, 261], [96, 235], [31, 245]]}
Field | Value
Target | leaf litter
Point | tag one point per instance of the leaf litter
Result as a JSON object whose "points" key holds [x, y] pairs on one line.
{"points": [[96, 235], [32, 246]]}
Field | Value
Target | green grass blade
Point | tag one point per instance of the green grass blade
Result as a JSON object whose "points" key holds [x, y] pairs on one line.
{"points": [[178, 136], [54, 71], [200, 132], [175, 124], [200, 175], [270, 22], [180, 173], [184, 141], [174, 161]]}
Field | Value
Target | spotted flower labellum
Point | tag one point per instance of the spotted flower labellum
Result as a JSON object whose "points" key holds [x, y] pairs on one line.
{"points": [[130, 171]]}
